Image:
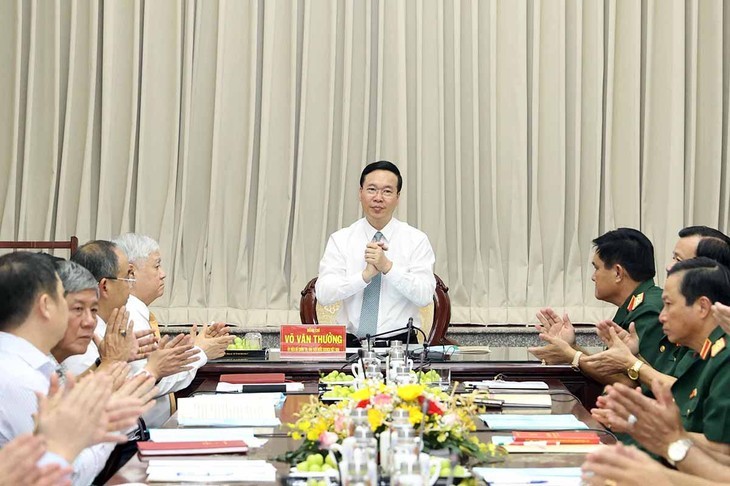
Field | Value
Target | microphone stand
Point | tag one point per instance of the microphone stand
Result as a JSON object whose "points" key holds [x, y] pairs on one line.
{"points": [[369, 337]]}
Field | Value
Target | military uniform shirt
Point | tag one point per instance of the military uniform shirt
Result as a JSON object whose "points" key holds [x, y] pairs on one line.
{"points": [[702, 392]]}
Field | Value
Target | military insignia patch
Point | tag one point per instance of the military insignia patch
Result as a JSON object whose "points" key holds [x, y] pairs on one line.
{"points": [[635, 302], [693, 394], [717, 347], [705, 349]]}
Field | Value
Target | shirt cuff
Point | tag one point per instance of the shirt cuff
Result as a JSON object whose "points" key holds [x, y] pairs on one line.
{"points": [[52, 458]]}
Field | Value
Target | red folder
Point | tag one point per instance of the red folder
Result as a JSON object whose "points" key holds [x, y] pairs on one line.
{"points": [[180, 448], [252, 378], [551, 438]]}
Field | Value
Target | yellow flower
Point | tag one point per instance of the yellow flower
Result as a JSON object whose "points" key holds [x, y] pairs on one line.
{"points": [[415, 415], [375, 417], [410, 392], [312, 435], [361, 394], [304, 425], [296, 435]]}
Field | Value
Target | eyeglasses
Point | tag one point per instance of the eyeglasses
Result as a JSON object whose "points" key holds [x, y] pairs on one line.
{"points": [[130, 281], [386, 192]]}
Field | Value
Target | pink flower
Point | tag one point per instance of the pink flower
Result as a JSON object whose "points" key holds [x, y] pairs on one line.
{"points": [[326, 439], [382, 399]]}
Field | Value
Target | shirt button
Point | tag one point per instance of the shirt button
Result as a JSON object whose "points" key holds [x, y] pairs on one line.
{"points": [[662, 348]]}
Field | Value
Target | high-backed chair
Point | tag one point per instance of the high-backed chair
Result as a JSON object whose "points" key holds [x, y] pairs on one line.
{"points": [[71, 244], [435, 317]]}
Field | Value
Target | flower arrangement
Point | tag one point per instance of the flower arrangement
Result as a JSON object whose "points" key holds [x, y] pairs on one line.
{"points": [[446, 421]]}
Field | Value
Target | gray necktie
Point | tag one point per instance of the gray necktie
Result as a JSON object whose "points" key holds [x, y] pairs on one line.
{"points": [[61, 372], [370, 303]]}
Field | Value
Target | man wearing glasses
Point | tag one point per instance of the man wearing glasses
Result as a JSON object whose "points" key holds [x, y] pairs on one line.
{"points": [[381, 269]]}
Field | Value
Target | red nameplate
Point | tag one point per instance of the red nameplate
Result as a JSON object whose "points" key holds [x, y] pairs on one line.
{"points": [[312, 341], [180, 448], [564, 438], [251, 378]]}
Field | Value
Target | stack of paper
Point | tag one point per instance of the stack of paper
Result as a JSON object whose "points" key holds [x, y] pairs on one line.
{"points": [[523, 400], [532, 422], [238, 388], [204, 471], [548, 476], [198, 435], [249, 410]]}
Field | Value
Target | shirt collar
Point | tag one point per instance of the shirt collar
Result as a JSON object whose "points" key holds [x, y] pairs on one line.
{"points": [[388, 231], [24, 350], [135, 304], [640, 289]]}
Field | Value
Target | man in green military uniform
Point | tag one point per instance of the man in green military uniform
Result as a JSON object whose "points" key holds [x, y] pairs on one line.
{"points": [[623, 274], [701, 392], [649, 355]]}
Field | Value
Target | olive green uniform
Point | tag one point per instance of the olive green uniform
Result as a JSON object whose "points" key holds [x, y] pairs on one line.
{"points": [[702, 392], [642, 308]]}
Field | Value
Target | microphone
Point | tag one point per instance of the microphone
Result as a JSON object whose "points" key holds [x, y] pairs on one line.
{"points": [[409, 326]]}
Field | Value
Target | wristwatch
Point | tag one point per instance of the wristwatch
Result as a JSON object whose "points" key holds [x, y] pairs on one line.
{"points": [[576, 360], [677, 450], [633, 372]]}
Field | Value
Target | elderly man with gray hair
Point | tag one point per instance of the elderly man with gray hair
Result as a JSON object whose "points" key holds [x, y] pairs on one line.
{"points": [[144, 256]]}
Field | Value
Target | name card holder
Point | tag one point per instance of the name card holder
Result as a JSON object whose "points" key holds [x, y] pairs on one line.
{"points": [[313, 342]]}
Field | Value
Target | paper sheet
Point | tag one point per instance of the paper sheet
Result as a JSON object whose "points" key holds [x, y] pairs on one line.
{"points": [[246, 410], [547, 476], [207, 434], [210, 470], [532, 422], [231, 387]]}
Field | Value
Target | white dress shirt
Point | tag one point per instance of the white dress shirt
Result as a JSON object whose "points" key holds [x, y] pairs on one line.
{"points": [[408, 286], [24, 370], [139, 313]]}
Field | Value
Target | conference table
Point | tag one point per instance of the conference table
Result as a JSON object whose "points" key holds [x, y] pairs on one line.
{"points": [[498, 361], [465, 364]]}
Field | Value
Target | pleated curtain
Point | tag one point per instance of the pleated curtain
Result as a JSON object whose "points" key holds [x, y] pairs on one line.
{"points": [[234, 132]]}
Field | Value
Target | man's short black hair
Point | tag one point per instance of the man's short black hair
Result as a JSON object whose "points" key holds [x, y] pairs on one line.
{"points": [[629, 248], [703, 276], [24, 276], [381, 165], [98, 257], [705, 231], [715, 249]]}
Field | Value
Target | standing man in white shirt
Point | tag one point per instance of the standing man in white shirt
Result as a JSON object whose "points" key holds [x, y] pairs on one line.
{"points": [[380, 268], [146, 262]]}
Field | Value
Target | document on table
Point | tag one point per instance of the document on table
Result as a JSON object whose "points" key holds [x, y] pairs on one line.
{"points": [[499, 385], [524, 400], [207, 434], [213, 470], [532, 422], [238, 388], [545, 476], [247, 410]]}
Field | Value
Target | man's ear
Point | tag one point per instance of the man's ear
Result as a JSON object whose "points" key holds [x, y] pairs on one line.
{"points": [[704, 306], [43, 305], [619, 272], [103, 288]]}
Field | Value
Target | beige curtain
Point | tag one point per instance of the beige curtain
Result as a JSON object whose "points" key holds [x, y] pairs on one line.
{"points": [[235, 131]]}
